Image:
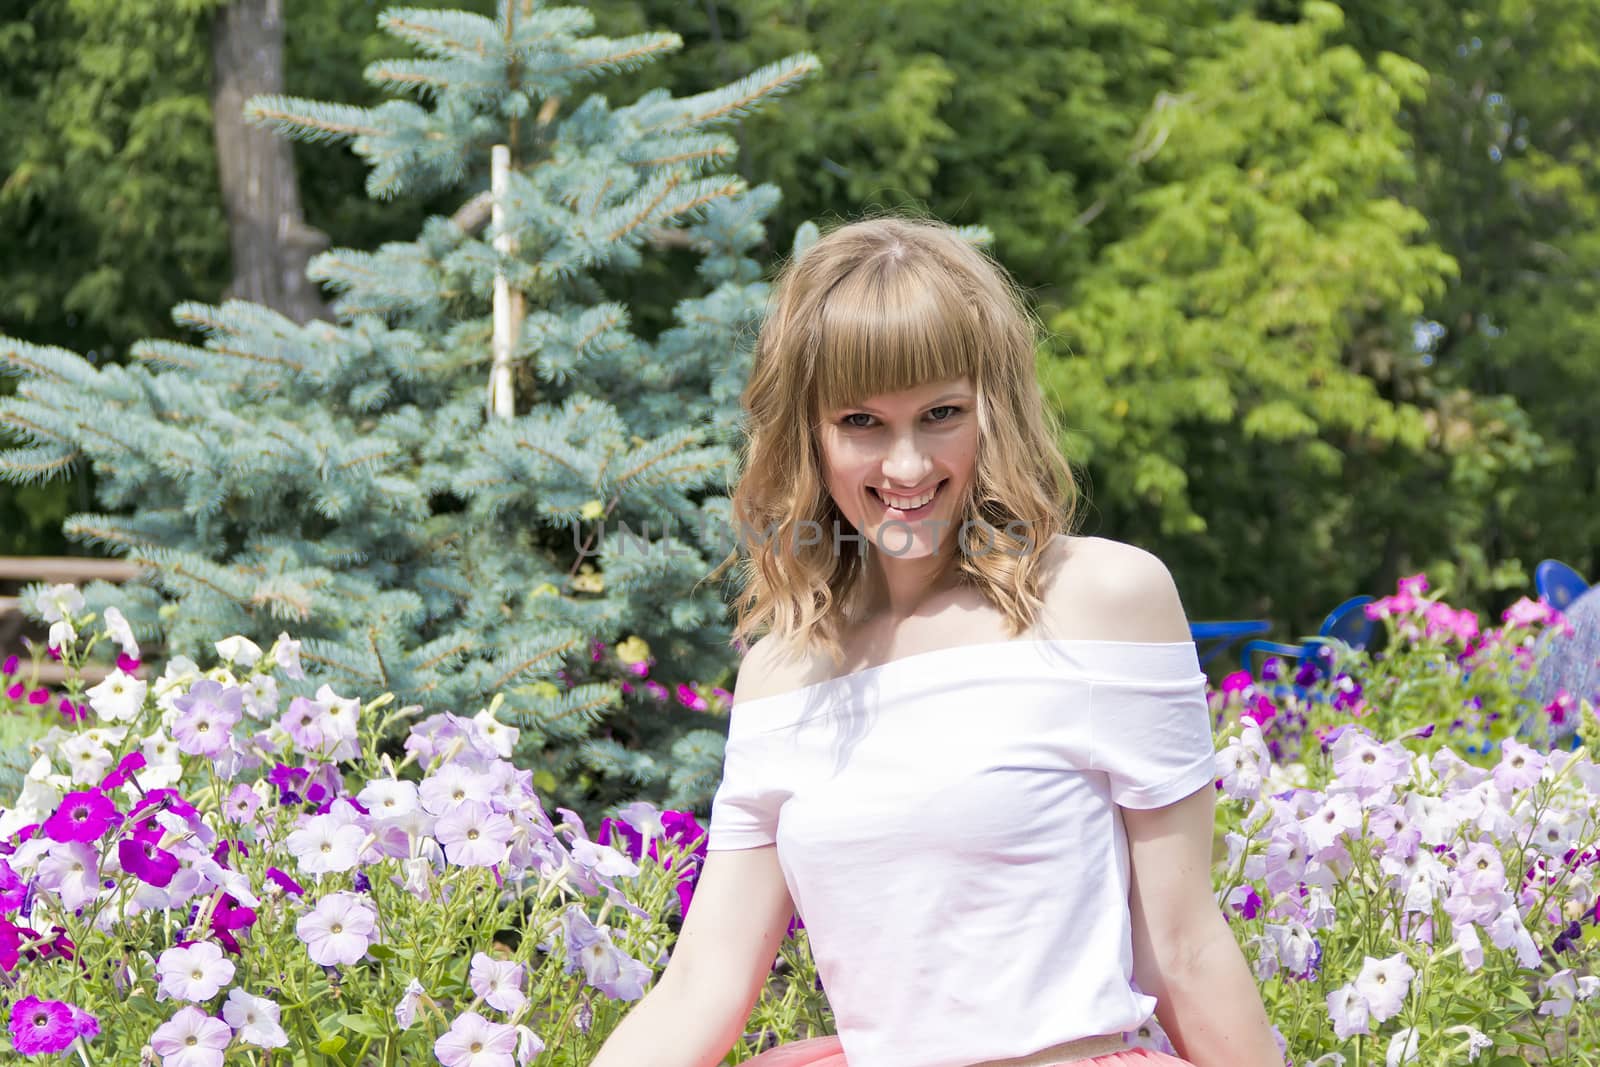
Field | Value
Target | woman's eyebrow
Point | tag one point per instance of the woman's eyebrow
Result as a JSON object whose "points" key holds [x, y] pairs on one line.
{"points": [[929, 404]]}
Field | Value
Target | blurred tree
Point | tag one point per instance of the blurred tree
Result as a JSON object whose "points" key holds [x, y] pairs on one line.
{"points": [[268, 235], [1508, 175], [1240, 366], [108, 193]]}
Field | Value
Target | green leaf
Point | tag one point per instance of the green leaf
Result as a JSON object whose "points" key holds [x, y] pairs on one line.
{"points": [[363, 1025], [331, 1045]]}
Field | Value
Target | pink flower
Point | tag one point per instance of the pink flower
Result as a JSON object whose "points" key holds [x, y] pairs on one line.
{"points": [[207, 715], [339, 929], [194, 972], [255, 1018], [1347, 1009], [473, 835], [243, 803], [498, 982], [191, 1038], [473, 1041], [1519, 767]]}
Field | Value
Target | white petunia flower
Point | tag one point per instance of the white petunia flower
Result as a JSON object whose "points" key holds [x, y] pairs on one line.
{"points": [[117, 628], [1402, 1048], [239, 650], [87, 761], [62, 635], [59, 601], [119, 698], [501, 736]]}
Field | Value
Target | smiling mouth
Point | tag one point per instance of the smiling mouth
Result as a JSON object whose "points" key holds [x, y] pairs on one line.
{"points": [[913, 513]]}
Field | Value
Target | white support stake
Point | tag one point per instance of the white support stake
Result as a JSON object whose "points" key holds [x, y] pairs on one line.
{"points": [[505, 302]]}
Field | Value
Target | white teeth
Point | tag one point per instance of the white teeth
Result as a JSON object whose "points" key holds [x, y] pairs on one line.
{"points": [[910, 503]]}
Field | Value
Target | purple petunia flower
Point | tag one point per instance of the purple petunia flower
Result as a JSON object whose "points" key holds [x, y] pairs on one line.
{"points": [[284, 882], [41, 1027], [604, 965], [147, 862], [163, 800], [82, 816]]}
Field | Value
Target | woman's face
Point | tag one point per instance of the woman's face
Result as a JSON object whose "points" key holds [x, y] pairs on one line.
{"points": [[903, 445]]}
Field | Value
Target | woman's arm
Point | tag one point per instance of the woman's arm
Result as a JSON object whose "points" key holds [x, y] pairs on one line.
{"points": [[1184, 953]]}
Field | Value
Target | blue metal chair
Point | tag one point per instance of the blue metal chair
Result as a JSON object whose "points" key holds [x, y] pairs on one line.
{"points": [[1221, 635], [1347, 623], [1558, 584]]}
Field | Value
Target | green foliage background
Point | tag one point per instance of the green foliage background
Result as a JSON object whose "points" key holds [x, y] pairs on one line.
{"points": [[1235, 217]]}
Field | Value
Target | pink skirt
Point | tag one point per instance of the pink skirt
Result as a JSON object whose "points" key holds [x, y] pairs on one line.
{"points": [[826, 1052]]}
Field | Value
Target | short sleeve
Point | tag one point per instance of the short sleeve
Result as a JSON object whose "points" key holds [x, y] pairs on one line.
{"points": [[744, 814], [1151, 732]]}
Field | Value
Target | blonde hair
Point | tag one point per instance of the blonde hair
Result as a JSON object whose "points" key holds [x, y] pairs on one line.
{"points": [[878, 306]]}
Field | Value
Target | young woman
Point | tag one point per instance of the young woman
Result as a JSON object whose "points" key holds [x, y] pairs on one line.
{"points": [[972, 750]]}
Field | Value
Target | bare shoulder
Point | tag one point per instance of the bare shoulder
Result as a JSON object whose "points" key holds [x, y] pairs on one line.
{"points": [[768, 668], [1112, 591]]}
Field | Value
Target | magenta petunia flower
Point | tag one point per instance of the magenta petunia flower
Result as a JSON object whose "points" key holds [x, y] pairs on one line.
{"points": [[146, 862], [84, 816], [229, 916], [85, 1025], [41, 1027], [124, 770], [11, 937], [13, 890]]}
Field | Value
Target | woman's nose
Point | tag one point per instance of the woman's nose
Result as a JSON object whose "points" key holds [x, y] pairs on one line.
{"points": [[906, 465]]}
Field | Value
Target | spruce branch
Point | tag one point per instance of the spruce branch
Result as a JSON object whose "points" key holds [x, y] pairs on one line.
{"points": [[311, 120]]}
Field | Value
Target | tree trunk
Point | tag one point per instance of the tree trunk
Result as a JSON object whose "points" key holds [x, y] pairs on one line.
{"points": [[270, 239]]}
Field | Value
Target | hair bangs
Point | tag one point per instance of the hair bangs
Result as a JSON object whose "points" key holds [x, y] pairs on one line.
{"points": [[888, 328]]}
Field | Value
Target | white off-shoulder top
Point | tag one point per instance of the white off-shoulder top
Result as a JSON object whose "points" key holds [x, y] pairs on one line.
{"points": [[948, 827]]}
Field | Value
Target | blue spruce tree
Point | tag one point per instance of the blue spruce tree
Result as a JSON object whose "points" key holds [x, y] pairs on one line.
{"points": [[428, 518]]}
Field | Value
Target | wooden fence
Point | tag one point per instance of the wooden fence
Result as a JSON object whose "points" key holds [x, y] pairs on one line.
{"points": [[16, 571]]}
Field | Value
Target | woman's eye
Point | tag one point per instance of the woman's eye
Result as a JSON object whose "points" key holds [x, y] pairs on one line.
{"points": [[952, 409]]}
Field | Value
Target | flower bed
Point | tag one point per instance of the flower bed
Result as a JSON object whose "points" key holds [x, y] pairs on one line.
{"points": [[206, 864]]}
